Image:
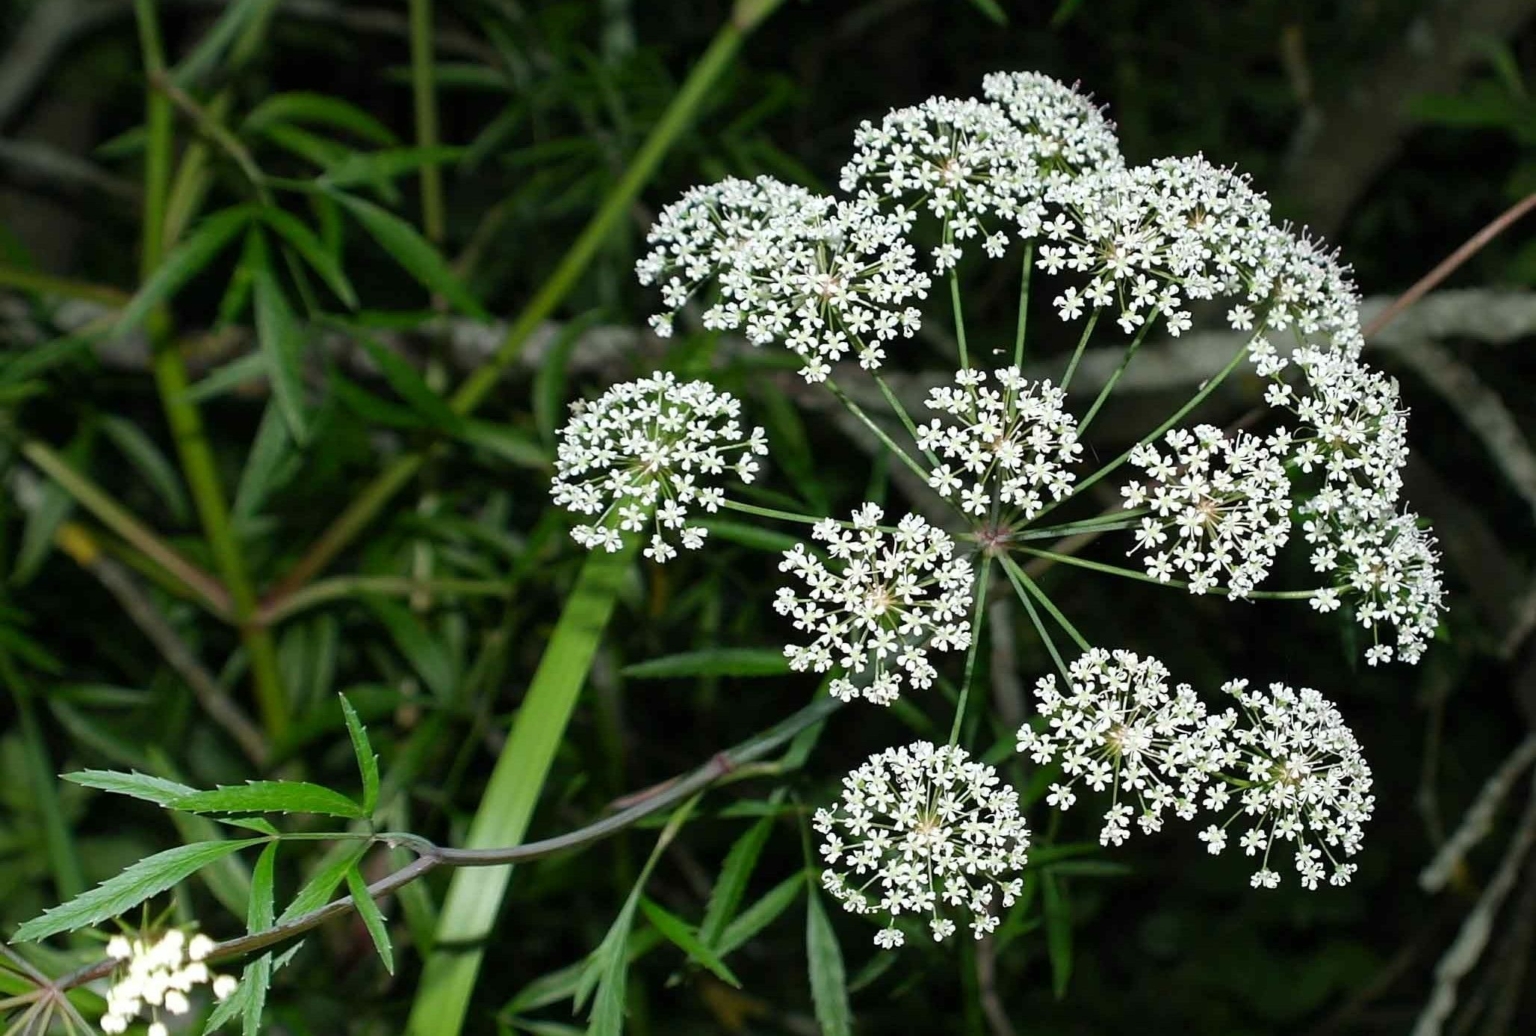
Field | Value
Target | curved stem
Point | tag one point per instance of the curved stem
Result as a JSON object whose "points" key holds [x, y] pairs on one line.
{"points": [[431, 856], [970, 656]]}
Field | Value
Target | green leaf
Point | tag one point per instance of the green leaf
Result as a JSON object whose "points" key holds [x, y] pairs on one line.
{"points": [[317, 891], [144, 880], [229, 377], [1058, 932], [549, 380], [731, 886], [512, 445], [135, 785], [368, 910], [189, 258], [209, 52], [367, 762], [270, 797], [282, 347], [829, 984], [322, 109], [408, 384], [760, 914], [421, 649], [413, 252], [1064, 12], [368, 167], [992, 9], [310, 248], [679, 934], [269, 465], [711, 662], [259, 919], [146, 457]]}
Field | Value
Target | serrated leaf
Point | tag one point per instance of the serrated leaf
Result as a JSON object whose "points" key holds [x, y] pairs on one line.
{"points": [[367, 762], [310, 248], [413, 252], [189, 258], [408, 384], [829, 983], [317, 891], [760, 914], [281, 345], [238, 1002], [270, 797], [260, 911], [117, 895], [141, 451], [679, 934], [421, 649], [368, 910], [731, 886], [305, 107], [711, 662], [135, 785], [1058, 932]]}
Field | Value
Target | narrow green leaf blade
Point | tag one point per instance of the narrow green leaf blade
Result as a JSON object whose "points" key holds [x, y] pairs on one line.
{"points": [[760, 914], [185, 262], [157, 469], [679, 934], [711, 662], [279, 336], [1058, 932], [135, 785], [144, 880], [367, 762], [426, 653], [369, 167], [829, 983], [313, 108], [368, 910], [731, 886], [270, 797], [310, 248], [413, 252], [409, 386]]}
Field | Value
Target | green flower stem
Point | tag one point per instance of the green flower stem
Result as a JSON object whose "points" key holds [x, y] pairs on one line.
{"points": [[880, 433], [1210, 386], [1034, 617], [748, 14], [424, 92], [1177, 584], [1018, 340], [1114, 379], [901, 412], [770, 512], [1046, 603], [341, 587], [1111, 522], [202, 586], [977, 614], [954, 298], [181, 413], [1077, 354]]}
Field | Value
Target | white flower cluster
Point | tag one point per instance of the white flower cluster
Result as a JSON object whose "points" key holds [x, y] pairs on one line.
{"points": [[1307, 783], [824, 277], [1011, 443], [158, 974], [1353, 442], [1067, 131], [1227, 500], [1155, 238], [920, 829], [964, 161], [889, 599], [1297, 768], [636, 457], [1118, 726]]}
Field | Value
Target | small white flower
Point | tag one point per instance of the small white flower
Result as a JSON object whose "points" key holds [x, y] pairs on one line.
{"points": [[1307, 782], [924, 830], [1119, 727], [887, 600], [637, 454], [1223, 501], [1068, 132], [156, 972], [1013, 443]]}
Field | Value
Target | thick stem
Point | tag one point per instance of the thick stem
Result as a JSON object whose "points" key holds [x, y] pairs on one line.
{"points": [[181, 413]]}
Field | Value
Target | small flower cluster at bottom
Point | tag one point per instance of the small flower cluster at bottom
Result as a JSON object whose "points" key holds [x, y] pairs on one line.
{"points": [[156, 974]]}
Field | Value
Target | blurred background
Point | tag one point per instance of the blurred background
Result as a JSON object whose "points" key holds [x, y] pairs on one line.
{"points": [[1395, 129]]}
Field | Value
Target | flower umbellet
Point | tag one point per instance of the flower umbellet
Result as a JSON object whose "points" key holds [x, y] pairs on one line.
{"points": [[156, 975], [924, 829]]}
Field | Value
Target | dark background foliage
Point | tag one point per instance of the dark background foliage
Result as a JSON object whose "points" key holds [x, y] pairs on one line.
{"points": [[1396, 128]]}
